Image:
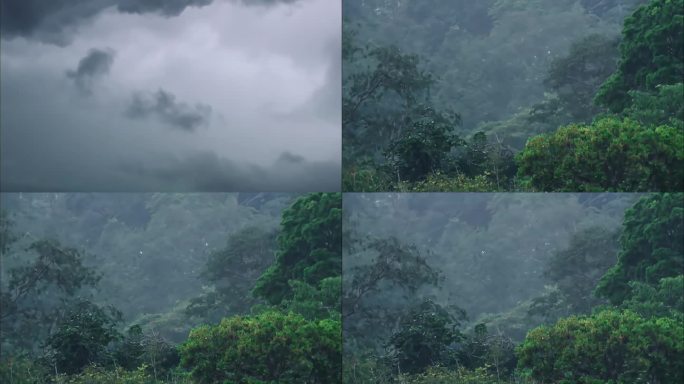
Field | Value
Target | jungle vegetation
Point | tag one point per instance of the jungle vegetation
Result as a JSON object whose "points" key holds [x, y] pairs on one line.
{"points": [[171, 288], [506, 95], [513, 288]]}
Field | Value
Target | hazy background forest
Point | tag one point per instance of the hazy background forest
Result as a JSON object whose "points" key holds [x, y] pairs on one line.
{"points": [[444, 288], [147, 288], [443, 95]]}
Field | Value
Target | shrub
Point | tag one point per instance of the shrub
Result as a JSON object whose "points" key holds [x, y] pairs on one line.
{"points": [[271, 347], [608, 155], [610, 346]]}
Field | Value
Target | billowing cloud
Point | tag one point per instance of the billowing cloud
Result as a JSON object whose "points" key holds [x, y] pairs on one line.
{"points": [[164, 106], [255, 86], [95, 64]]}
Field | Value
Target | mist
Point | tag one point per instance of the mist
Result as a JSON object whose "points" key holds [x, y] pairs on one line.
{"points": [[133, 240], [486, 254]]}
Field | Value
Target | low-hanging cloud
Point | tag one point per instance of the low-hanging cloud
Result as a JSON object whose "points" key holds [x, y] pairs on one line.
{"points": [[94, 65], [288, 157], [206, 171], [163, 105]]}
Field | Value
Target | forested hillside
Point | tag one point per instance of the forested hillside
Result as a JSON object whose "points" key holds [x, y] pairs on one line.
{"points": [[170, 288], [508, 95], [513, 288]]}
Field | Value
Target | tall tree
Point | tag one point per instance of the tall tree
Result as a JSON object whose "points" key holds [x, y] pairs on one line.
{"points": [[34, 292], [309, 246], [82, 336], [423, 338], [652, 53], [651, 246]]}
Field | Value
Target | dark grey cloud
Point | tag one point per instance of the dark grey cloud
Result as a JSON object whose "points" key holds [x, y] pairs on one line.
{"points": [[206, 171], [95, 64], [48, 21], [164, 106], [164, 7], [288, 157], [266, 2], [55, 21]]}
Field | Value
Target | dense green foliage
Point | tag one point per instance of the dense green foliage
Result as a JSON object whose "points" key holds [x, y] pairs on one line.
{"points": [[423, 337], [422, 148], [651, 246], [610, 346], [308, 246], [539, 78], [82, 336], [528, 283], [299, 339], [652, 53], [313, 302], [663, 300], [76, 337], [640, 339], [439, 375], [96, 374], [271, 347], [608, 155], [663, 107]]}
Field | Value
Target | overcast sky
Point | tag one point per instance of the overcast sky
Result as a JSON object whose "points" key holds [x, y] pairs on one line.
{"points": [[181, 95]]}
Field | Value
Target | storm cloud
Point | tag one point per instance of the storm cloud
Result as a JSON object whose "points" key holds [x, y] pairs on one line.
{"points": [[165, 7], [164, 106], [253, 85], [266, 2], [95, 64], [56, 21]]}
